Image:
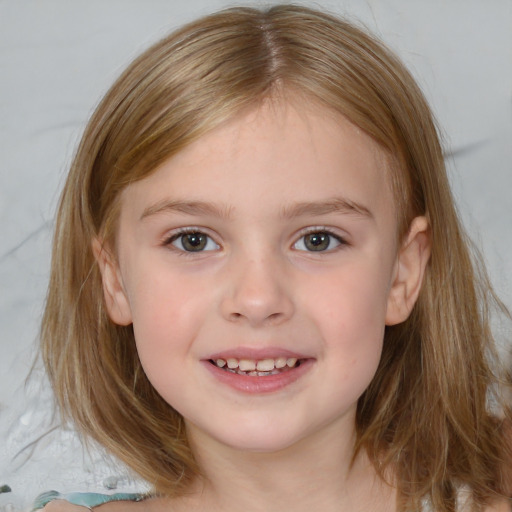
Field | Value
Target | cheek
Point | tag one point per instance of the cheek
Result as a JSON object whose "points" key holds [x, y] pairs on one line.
{"points": [[351, 301], [350, 314], [166, 311]]}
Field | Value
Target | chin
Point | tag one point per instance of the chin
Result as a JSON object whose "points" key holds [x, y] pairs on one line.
{"points": [[264, 440]]}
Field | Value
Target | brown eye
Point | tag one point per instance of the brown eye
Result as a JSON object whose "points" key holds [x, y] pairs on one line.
{"points": [[194, 242], [317, 241]]}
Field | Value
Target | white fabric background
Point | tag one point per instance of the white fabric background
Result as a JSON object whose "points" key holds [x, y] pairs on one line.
{"points": [[57, 57]]}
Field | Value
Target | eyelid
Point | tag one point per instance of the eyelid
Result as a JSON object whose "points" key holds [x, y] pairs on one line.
{"points": [[322, 229], [168, 239]]}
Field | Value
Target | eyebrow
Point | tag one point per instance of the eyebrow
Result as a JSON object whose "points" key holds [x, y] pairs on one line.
{"points": [[197, 208], [334, 205], [314, 208]]}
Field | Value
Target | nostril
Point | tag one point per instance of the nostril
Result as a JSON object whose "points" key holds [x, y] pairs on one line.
{"points": [[256, 310]]}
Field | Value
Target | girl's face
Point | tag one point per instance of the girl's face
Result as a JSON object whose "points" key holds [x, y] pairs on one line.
{"points": [[259, 267]]}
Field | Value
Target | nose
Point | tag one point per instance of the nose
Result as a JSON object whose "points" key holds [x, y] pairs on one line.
{"points": [[257, 292]]}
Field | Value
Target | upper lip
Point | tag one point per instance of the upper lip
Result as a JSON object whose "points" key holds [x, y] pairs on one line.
{"points": [[256, 354]]}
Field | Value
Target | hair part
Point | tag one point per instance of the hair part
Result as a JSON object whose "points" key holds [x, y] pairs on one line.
{"points": [[425, 415]]}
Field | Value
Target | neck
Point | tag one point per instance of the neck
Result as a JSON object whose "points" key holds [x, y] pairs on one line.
{"points": [[313, 474]]}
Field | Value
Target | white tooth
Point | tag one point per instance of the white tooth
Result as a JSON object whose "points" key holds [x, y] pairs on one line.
{"points": [[220, 363], [246, 365], [291, 362], [280, 362], [265, 365], [253, 374], [232, 363]]}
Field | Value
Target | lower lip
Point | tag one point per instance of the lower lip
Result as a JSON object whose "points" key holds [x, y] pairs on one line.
{"points": [[259, 384]]}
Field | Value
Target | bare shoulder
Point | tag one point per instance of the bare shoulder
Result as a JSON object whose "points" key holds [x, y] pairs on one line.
{"points": [[62, 506]]}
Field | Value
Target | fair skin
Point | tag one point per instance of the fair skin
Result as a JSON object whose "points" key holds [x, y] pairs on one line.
{"points": [[271, 238], [262, 190]]}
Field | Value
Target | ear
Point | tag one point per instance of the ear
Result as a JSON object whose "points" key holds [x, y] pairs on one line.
{"points": [[410, 267], [118, 306]]}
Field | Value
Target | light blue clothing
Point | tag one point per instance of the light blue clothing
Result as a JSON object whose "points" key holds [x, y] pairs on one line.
{"points": [[86, 499]]}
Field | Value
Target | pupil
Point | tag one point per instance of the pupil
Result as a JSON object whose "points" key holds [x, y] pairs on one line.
{"points": [[194, 241], [317, 241]]}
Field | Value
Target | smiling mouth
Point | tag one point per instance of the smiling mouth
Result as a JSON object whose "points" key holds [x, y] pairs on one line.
{"points": [[257, 368]]}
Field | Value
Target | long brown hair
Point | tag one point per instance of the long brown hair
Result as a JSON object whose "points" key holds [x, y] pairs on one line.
{"points": [[426, 415]]}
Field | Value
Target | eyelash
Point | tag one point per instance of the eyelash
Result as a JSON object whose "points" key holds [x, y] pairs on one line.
{"points": [[321, 230], [169, 241]]}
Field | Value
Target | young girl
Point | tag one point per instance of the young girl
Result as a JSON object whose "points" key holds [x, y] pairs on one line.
{"points": [[261, 296]]}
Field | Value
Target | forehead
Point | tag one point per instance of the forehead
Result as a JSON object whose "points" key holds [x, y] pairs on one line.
{"points": [[276, 154]]}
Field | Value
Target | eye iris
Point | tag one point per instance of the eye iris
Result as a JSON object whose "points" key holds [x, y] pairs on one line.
{"points": [[194, 241], [317, 241]]}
